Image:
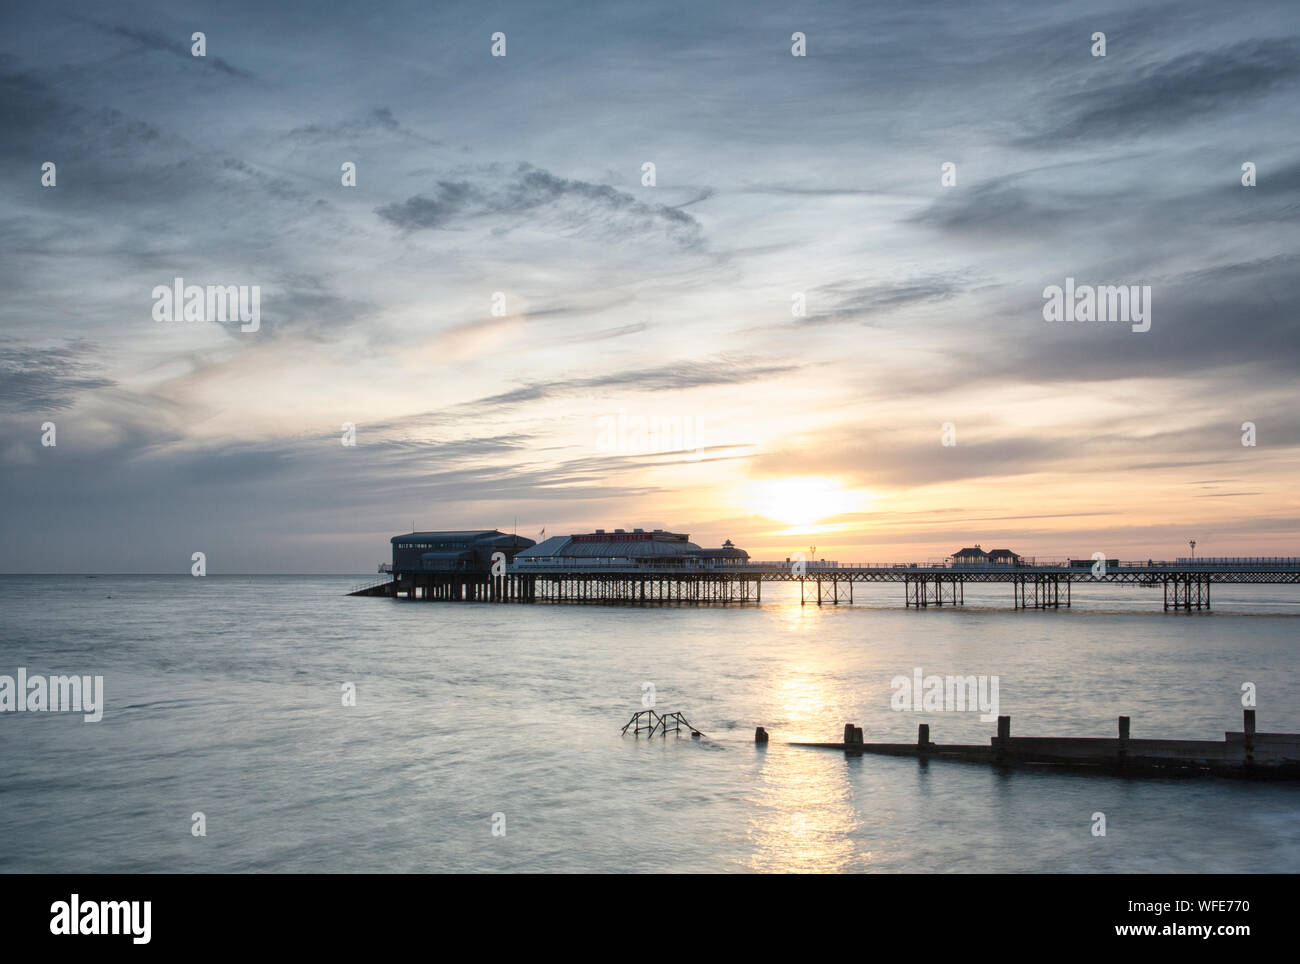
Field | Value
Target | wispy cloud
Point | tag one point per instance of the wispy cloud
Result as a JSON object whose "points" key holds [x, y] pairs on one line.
{"points": [[578, 204], [1174, 91], [682, 376], [47, 379], [154, 40]]}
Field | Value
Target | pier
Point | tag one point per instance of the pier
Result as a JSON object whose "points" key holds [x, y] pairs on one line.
{"points": [[1041, 587], [1244, 753], [659, 567]]}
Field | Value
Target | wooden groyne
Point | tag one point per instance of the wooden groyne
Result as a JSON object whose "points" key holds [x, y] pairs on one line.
{"points": [[1245, 753]]}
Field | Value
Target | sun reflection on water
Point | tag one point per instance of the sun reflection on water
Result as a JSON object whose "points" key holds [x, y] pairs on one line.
{"points": [[804, 810], [804, 816]]}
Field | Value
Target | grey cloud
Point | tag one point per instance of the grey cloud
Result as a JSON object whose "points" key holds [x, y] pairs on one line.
{"points": [[813, 190], [181, 48], [450, 199], [1232, 314], [35, 380], [597, 206], [851, 302], [536, 187], [1118, 445], [676, 377], [529, 393], [1002, 207], [376, 120], [605, 334], [1276, 197], [1163, 95], [1232, 320], [920, 463], [35, 118]]}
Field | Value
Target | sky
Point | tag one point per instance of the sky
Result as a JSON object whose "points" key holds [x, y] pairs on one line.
{"points": [[799, 332]]}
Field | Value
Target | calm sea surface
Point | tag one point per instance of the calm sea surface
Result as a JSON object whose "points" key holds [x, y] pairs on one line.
{"points": [[223, 696]]}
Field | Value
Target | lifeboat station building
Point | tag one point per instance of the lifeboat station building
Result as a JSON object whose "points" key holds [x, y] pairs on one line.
{"points": [[451, 564]]}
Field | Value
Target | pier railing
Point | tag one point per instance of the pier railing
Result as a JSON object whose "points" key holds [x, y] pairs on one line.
{"points": [[1243, 562], [1282, 563], [372, 584], [813, 568]]}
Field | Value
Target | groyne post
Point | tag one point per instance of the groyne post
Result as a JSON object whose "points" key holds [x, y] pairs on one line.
{"points": [[853, 739]]}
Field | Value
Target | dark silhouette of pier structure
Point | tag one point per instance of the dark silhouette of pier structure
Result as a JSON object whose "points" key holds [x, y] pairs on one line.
{"points": [[663, 567], [1186, 586]]}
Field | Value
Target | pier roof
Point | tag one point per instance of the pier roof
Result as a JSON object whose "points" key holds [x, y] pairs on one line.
{"points": [[458, 535], [632, 548], [469, 539], [547, 547]]}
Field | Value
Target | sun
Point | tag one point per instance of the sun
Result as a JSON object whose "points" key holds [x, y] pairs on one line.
{"points": [[802, 501]]}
